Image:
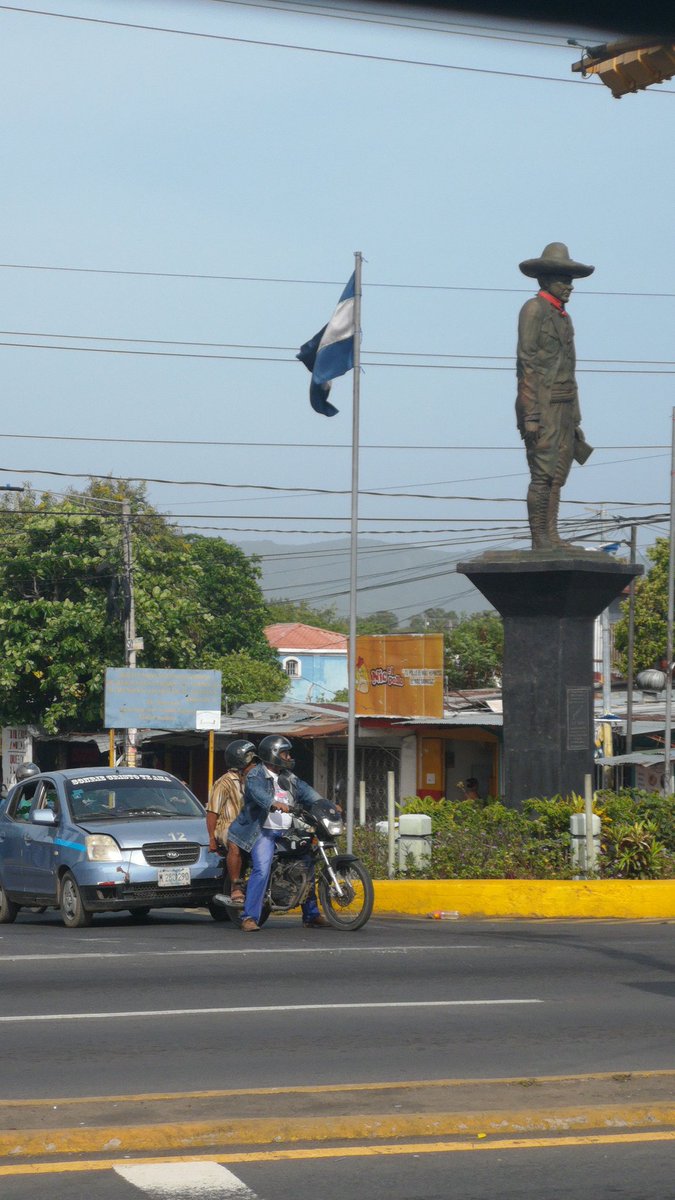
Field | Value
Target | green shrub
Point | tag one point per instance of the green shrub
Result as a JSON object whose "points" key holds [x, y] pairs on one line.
{"points": [[487, 840]]}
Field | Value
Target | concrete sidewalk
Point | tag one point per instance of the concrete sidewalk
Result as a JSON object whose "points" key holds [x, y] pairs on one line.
{"points": [[275, 1116]]}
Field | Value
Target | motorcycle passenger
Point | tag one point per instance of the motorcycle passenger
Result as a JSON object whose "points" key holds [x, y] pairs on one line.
{"points": [[270, 791], [224, 804]]}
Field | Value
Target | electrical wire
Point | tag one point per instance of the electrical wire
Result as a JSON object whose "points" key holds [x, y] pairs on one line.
{"points": [[401, 21], [509, 358], [127, 441], [268, 487], [424, 287], [397, 366], [296, 47]]}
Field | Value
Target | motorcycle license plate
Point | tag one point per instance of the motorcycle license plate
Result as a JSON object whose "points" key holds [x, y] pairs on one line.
{"points": [[173, 876]]}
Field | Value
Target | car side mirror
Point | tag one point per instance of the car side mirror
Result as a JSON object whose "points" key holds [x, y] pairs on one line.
{"points": [[43, 816]]}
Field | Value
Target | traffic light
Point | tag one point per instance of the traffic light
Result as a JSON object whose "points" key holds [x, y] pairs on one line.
{"points": [[628, 66]]}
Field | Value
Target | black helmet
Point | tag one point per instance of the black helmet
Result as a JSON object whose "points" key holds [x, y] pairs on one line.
{"points": [[271, 748], [26, 771], [240, 754]]}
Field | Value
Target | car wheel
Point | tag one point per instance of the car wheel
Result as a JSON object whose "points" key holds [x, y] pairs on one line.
{"points": [[8, 909], [139, 914], [73, 912]]}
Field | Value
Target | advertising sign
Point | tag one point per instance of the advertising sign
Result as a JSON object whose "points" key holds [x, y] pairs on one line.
{"points": [[17, 748], [140, 698], [399, 674]]}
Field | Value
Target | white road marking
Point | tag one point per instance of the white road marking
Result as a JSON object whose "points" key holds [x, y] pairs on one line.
{"points": [[67, 955], [185, 1181], [260, 1008]]}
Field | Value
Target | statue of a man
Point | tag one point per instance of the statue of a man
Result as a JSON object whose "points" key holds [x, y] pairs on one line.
{"points": [[547, 405]]}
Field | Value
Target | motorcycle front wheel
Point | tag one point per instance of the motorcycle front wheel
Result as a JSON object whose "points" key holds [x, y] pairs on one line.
{"points": [[351, 909]]}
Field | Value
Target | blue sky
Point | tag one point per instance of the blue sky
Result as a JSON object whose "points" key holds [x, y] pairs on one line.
{"points": [[134, 150]]}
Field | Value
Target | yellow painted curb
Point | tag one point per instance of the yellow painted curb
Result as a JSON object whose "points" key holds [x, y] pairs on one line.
{"points": [[276, 1130], [628, 899]]}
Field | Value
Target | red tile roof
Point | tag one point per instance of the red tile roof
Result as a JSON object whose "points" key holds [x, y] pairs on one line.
{"points": [[288, 636]]}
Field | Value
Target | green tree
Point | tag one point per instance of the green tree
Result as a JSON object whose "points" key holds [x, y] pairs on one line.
{"points": [[651, 613], [382, 621], [228, 587], [474, 651], [63, 600], [433, 620]]}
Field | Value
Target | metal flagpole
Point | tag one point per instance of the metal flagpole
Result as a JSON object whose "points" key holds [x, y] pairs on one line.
{"points": [[668, 766], [353, 556]]}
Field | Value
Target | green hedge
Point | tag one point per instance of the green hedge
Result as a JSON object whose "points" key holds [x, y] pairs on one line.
{"points": [[487, 840]]}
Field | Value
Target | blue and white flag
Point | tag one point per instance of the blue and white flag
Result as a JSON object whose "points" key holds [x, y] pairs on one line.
{"points": [[330, 352]]}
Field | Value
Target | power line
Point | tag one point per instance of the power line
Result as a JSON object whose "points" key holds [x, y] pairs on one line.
{"points": [[294, 46], [127, 441], [509, 358], [400, 21], [429, 287], [268, 487], [257, 358]]}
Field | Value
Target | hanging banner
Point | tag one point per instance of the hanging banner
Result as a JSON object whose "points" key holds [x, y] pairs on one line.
{"points": [[400, 675]]}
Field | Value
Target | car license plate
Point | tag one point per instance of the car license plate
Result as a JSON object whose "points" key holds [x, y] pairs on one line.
{"points": [[173, 876]]}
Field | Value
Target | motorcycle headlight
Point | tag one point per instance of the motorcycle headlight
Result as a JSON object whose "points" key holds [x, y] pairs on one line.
{"points": [[102, 848], [333, 827]]}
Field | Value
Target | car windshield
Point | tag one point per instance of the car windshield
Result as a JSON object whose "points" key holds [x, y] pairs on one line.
{"points": [[125, 797]]}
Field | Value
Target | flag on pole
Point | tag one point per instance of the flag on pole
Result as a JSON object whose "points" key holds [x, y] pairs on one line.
{"points": [[330, 353]]}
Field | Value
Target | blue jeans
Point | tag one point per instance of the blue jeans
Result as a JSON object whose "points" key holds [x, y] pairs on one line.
{"points": [[261, 864]]}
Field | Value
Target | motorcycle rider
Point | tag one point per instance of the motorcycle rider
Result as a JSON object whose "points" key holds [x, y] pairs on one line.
{"points": [[270, 792]]}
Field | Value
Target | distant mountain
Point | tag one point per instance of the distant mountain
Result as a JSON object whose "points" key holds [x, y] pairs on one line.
{"points": [[404, 580]]}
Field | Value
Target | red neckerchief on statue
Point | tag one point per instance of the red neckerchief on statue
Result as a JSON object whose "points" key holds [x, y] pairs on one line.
{"points": [[554, 301]]}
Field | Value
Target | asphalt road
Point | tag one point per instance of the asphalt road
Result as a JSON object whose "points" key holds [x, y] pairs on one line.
{"points": [[182, 1004], [642, 1172], [176, 1004]]}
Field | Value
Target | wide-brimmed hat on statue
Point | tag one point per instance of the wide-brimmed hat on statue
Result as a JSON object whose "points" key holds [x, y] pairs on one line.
{"points": [[555, 260]]}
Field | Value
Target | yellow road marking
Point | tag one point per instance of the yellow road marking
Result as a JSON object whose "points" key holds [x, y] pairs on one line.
{"points": [[542, 1143], [329, 1088]]}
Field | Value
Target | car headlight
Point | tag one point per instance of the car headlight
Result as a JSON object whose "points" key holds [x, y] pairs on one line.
{"points": [[102, 848]]}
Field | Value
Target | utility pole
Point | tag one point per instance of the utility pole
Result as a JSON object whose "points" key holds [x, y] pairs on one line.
{"points": [[131, 642], [631, 643]]}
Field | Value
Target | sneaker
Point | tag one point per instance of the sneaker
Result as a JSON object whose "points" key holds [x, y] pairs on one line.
{"points": [[248, 925]]}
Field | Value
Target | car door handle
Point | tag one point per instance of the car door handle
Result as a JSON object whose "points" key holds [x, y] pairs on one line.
{"points": [[27, 840]]}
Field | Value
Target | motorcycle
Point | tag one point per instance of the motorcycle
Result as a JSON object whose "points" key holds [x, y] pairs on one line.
{"points": [[307, 850]]}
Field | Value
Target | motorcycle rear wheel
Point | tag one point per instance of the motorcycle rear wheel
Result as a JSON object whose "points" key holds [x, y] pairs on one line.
{"points": [[351, 910]]}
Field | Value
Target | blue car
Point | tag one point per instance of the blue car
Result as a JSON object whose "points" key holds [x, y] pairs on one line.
{"points": [[104, 840]]}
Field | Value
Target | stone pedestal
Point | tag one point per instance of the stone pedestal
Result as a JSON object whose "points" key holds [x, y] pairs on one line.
{"points": [[549, 604]]}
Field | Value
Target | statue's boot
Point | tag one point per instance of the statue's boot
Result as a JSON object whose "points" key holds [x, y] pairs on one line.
{"points": [[552, 516], [556, 541], [538, 499]]}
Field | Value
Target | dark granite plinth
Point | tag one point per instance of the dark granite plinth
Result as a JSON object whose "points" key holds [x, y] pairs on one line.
{"points": [[549, 604]]}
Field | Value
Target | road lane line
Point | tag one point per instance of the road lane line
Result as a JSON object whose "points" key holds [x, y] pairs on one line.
{"points": [[68, 955], [377, 1151], [203, 1181], [258, 1008]]}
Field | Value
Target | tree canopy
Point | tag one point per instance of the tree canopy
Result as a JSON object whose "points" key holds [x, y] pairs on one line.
{"points": [[63, 599], [474, 651], [651, 613]]}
